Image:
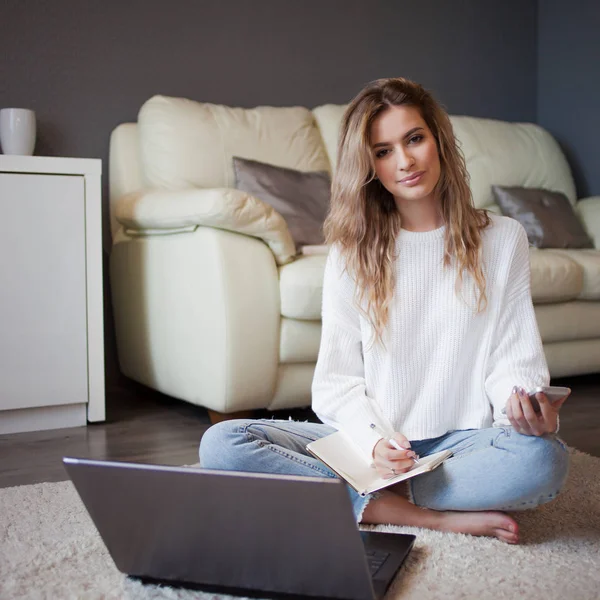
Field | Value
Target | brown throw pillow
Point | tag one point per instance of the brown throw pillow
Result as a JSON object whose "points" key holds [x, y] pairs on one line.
{"points": [[547, 216], [301, 198]]}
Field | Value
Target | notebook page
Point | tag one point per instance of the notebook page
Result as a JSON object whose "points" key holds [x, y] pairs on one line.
{"points": [[343, 457], [426, 464]]}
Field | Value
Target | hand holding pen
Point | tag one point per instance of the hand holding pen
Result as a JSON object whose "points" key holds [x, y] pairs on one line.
{"points": [[386, 460]]}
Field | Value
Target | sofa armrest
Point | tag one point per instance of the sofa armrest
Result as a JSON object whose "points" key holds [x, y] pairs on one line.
{"points": [[588, 210], [152, 212]]}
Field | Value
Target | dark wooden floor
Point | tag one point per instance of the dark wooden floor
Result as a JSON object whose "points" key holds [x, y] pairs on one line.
{"points": [[148, 427], [142, 426]]}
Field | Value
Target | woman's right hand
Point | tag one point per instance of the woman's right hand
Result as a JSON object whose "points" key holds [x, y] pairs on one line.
{"points": [[389, 461]]}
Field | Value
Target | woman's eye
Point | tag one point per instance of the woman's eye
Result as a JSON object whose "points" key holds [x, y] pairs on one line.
{"points": [[380, 154], [416, 138]]}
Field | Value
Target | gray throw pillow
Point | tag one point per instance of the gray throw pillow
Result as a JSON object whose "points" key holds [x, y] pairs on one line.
{"points": [[547, 216], [301, 198]]}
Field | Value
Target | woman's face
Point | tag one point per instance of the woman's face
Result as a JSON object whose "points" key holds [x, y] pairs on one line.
{"points": [[405, 154]]}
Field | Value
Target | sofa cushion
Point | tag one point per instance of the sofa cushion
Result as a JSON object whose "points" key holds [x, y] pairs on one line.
{"points": [[554, 276], [547, 216], [184, 143], [299, 341], [302, 199], [511, 154], [568, 321], [301, 287], [588, 211], [589, 261], [329, 121]]}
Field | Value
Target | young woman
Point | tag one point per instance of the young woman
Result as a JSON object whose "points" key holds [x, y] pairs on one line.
{"points": [[428, 332]]}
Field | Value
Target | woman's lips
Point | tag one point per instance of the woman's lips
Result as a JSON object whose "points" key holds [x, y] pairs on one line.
{"points": [[412, 179]]}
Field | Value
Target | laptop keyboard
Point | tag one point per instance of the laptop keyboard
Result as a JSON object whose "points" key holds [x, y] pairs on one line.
{"points": [[375, 559]]}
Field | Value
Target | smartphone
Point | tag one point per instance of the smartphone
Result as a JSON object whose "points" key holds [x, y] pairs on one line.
{"points": [[553, 393]]}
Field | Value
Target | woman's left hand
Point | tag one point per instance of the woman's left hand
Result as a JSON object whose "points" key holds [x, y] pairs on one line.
{"points": [[525, 420]]}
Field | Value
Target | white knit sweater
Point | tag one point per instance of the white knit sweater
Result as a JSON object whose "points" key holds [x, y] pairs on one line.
{"points": [[444, 367]]}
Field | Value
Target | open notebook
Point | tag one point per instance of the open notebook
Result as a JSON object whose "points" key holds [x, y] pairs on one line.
{"points": [[344, 458]]}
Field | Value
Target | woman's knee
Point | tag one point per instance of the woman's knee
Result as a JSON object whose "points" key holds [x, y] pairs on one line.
{"points": [[220, 442], [548, 456], [545, 461]]}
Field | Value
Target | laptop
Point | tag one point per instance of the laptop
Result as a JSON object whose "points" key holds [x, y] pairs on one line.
{"points": [[251, 534]]}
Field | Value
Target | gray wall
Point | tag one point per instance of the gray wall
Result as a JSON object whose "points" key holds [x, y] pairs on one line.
{"points": [[86, 65], [569, 84]]}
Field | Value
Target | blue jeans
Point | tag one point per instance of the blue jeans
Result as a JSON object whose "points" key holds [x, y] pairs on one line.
{"points": [[491, 469]]}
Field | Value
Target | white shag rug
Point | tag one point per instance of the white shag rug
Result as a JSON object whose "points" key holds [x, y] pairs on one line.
{"points": [[49, 548]]}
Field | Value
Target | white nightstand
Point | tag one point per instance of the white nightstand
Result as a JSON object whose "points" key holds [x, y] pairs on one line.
{"points": [[51, 320]]}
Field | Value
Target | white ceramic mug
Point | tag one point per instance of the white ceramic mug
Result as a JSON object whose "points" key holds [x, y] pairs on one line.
{"points": [[17, 131]]}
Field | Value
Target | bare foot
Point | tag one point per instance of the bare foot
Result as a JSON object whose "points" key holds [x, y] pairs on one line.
{"points": [[391, 507], [490, 523]]}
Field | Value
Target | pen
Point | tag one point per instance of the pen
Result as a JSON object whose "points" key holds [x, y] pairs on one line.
{"points": [[392, 441]]}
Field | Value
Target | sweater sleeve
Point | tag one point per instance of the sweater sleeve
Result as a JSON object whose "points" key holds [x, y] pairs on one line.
{"points": [[516, 355], [339, 390]]}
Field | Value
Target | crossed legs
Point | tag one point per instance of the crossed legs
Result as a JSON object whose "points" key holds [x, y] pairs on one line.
{"points": [[491, 470]]}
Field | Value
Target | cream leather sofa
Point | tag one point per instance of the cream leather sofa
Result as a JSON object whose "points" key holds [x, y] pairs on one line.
{"points": [[210, 304]]}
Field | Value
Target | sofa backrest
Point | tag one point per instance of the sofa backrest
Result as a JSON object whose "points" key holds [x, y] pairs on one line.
{"points": [[179, 143], [511, 154], [185, 144], [496, 153]]}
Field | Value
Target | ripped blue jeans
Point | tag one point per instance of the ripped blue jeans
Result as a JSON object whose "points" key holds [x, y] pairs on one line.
{"points": [[491, 469]]}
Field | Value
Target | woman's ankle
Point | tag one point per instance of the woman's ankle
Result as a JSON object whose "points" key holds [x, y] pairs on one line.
{"points": [[392, 509]]}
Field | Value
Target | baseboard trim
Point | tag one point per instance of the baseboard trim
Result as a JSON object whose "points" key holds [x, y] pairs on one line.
{"points": [[42, 418]]}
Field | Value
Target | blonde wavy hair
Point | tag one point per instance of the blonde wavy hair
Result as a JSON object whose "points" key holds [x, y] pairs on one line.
{"points": [[363, 218]]}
